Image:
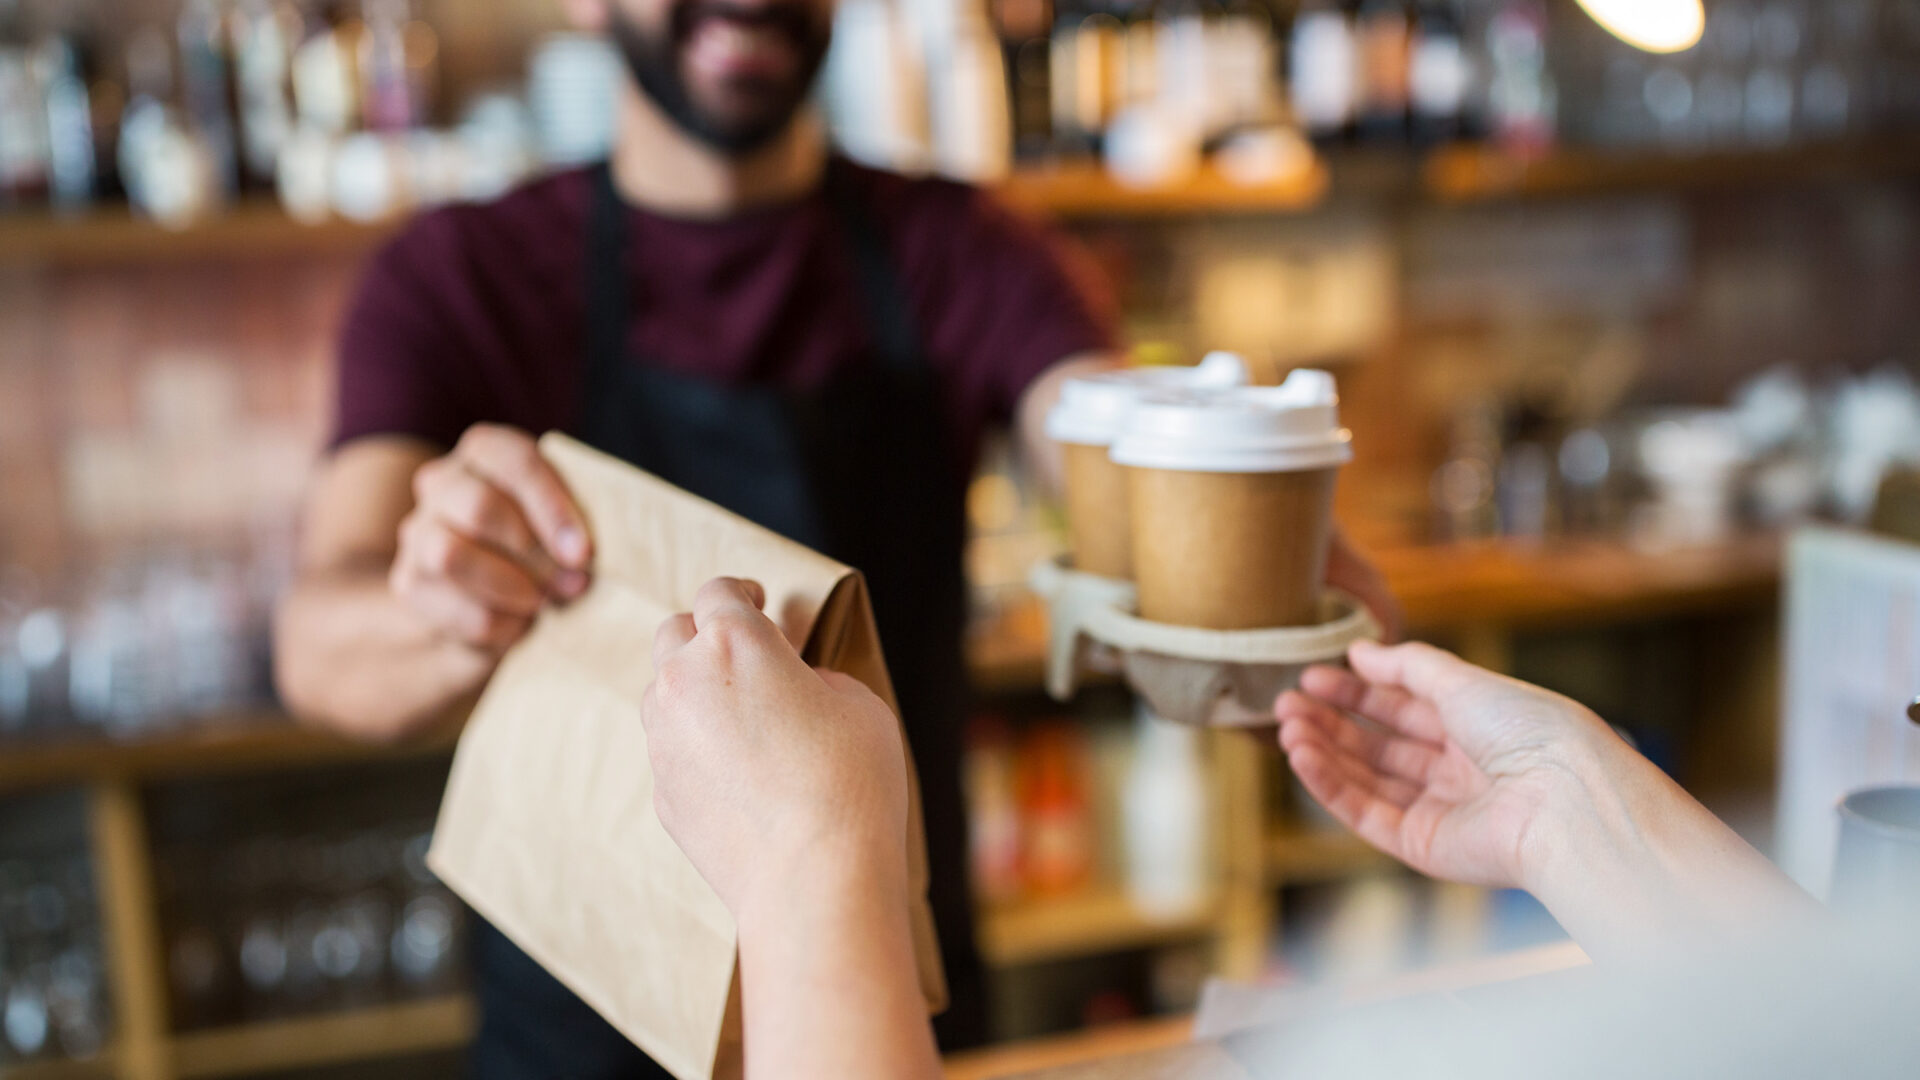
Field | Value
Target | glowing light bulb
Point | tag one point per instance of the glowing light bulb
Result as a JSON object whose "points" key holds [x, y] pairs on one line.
{"points": [[1658, 26]]}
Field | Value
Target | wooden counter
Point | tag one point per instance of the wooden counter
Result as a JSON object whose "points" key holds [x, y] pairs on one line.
{"points": [[1164, 1048], [1084, 1051]]}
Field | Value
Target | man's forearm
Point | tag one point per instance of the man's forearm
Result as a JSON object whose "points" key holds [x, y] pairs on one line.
{"points": [[349, 656], [830, 990]]}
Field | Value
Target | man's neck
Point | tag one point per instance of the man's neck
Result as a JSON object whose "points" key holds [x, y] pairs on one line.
{"points": [[661, 168]]}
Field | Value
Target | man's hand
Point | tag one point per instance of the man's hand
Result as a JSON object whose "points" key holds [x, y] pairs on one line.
{"points": [[767, 773], [493, 536], [1447, 766], [1351, 572]]}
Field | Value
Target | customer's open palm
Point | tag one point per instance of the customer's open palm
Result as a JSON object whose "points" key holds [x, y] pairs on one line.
{"points": [[1440, 764]]}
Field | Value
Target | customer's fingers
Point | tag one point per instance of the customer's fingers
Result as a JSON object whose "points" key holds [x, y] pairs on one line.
{"points": [[724, 596], [1388, 706], [1354, 805], [1397, 790], [1418, 668], [1395, 755], [674, 633]]}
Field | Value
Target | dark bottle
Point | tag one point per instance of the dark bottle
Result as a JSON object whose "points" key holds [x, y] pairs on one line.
{"points": [[206, 85], [24, 152], [1025, 27], [1385, 36], [1086, 51], [72, 168], [1439, 74]]}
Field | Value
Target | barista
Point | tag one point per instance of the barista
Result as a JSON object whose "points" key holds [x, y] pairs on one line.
{"points": [[726, 304]]}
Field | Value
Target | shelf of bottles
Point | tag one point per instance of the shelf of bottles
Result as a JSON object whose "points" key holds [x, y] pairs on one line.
{"points": [[339, 110]]}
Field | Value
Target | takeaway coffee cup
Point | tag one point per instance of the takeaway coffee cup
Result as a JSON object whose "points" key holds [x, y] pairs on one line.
{"points": [[1876, 865], [1085, 422], [1231, 499]]}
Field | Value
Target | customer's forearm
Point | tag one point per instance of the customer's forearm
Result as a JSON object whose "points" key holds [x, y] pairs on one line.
{"points": [[1633, 867], [349, 656], [830, 990]]}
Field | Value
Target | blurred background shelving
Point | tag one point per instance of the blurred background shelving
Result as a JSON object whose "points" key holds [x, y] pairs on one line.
{"points": [[261, 229], [1568, 267]]}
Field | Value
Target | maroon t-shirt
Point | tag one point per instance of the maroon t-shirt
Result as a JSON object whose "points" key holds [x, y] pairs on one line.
{"points": [[477, 313]]}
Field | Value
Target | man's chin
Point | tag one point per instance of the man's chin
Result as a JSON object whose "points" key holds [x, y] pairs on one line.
{"points": [[744, 130]]}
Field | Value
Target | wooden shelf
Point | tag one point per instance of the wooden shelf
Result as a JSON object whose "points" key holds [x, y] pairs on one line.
{"points": [[415, 1027], [1478, 173], [110, 237], [259, 229], [1083, 190], [1308, 855], [1577, 582], [1102, 919], [97, 1067], [230, 744]]}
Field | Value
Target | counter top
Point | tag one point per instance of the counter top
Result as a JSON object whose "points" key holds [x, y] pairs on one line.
{"points": [[1139, 1050], [1164, 1049]]}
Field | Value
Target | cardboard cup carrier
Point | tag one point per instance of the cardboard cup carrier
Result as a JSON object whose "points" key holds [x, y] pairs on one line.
{"points": [[1231, 499], [1091, 413]]}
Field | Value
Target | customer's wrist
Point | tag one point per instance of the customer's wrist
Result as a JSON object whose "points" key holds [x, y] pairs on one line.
{"points": [[807, 881], [1587, 813]]}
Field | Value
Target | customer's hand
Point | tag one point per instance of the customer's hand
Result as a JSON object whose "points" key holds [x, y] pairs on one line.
{"points": [[1352, 572], [1441, 764], [1471, 776], [766, 771], [493, 536]]}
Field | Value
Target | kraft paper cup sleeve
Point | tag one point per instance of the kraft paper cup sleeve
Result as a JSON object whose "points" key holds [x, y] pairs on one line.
{"points": [[547, 827], [1221, 678]]}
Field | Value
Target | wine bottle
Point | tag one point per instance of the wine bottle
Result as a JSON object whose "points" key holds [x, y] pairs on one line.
{"points": [[1384, 33], [206, 86], [1023, 26], [1438, 74]]}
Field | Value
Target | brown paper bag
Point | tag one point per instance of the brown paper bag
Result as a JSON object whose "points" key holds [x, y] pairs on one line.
{"points": [[547, 827]]}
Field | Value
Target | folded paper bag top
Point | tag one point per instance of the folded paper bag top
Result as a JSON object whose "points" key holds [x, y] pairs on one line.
{"points": [[547, 828]]}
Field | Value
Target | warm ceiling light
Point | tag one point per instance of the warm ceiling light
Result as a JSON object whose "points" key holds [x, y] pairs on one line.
{"points": [[1658, 26]]}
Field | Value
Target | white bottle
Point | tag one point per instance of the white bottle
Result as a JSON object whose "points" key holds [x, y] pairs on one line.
{"points": [[1164, 817], [967, 97], [1326, 71]]}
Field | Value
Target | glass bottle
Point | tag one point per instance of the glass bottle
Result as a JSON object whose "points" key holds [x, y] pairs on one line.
{"points": [[1323, 68]]}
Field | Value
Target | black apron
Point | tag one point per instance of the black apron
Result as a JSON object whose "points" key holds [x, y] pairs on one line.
{"points": [[861, 468]]}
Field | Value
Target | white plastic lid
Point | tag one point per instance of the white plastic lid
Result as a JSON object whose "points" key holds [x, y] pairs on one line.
{"points": [[1288, 428], [1093, 409]]}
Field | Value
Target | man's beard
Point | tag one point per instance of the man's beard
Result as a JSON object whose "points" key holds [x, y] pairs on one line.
{"points": [[654, 62]]}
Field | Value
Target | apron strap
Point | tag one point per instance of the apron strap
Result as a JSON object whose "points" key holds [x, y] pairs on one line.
{"points": [[882, 294], [607, 283]]}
